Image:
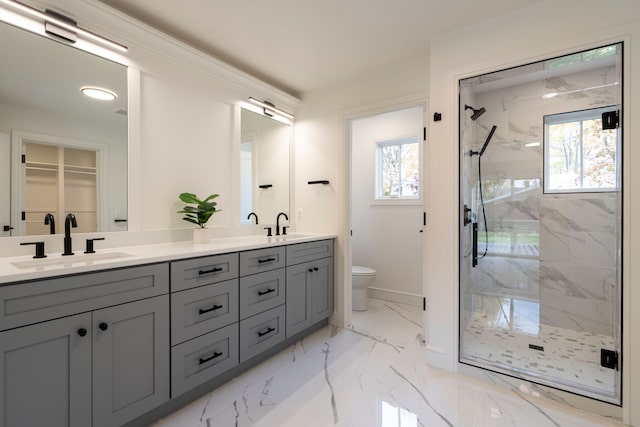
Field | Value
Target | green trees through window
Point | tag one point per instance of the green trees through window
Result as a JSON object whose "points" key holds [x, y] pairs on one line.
{"points": [[579, 154], [398, 168]]}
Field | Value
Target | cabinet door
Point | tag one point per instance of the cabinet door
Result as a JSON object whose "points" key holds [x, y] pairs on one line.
{"points": [[45, 374], [130, 360], [298, 298], [321, 289]]}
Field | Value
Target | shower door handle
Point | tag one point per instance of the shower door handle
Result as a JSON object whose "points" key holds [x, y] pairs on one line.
{"points": [[474, 244]]}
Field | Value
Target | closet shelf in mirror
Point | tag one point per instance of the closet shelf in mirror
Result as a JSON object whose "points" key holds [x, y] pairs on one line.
{"points": [[80, 169], [42, 166]]}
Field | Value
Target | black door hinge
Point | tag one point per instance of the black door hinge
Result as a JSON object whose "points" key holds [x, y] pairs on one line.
{"points": [[424, 303], [23, 158], [23, 215], [610, 120], [424, 133], [609, 359]]}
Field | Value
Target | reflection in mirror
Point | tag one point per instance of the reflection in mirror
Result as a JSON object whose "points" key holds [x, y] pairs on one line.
{"points": [[264, 168], [60, 151]]}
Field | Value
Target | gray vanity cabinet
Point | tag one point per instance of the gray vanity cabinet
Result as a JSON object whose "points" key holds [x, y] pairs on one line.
{"points": [[45, 374], [262, 298], [309, 284], [78, 352], [130, 360], [204, 320]]}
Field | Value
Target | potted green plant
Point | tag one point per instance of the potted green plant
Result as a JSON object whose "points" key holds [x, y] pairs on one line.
{"points": [[198, 214]]}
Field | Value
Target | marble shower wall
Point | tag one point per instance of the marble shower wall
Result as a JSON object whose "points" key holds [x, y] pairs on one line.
{"points": [[573, 269]]}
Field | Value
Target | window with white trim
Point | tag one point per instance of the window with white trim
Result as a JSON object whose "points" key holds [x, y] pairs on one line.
{"points": [[579, 156], [398, 168]]}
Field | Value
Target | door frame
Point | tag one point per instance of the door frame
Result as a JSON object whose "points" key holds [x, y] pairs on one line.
{"points": [[349, 115], [18, 175]]}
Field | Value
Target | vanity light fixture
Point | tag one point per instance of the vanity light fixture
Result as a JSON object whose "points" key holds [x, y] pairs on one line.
{"points": [[66, 24], [269, 109], [98, 93]]}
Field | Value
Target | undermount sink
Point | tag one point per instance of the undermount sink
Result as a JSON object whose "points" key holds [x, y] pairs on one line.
{"points": [[294, 236], [70, 260]]}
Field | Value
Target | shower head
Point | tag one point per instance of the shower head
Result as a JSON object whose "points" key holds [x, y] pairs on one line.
{"points": [[476, 113]]}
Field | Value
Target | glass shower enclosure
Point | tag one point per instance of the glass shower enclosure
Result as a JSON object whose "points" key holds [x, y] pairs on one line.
{"points": [[540, 222]]}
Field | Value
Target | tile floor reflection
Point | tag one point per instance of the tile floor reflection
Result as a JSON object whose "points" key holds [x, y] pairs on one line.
{"points": [[370, 375]]}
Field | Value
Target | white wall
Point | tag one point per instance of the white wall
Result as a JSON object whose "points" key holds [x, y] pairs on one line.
{"points": [[321, 153], [386, 234], [186, 141], [537, 32]]}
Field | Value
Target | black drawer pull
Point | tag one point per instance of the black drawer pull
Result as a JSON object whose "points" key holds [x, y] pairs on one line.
{"points": [[268, 331], [311, 270], [213, 356], [315, 268], [262, 261], [268, 291], [207, 310], [213, 270]]}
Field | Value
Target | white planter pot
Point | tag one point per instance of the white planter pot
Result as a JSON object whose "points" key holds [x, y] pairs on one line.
{"points": [[200, 235]]}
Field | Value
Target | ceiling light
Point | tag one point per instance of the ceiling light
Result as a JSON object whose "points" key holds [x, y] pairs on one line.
{"points": [[269, 108], [550, 95], [63, 24], [98, 93], [532, 144]]}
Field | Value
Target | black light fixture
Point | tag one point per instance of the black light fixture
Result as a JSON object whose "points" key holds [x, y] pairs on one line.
{"points": [[269, 109]]}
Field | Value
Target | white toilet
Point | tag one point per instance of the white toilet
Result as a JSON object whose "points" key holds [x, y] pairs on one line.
{"points": [[361, 278]]}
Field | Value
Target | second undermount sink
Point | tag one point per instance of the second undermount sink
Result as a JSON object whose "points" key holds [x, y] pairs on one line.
{"points": [[70, 260]]}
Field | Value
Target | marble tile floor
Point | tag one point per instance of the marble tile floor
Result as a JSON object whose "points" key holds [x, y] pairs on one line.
{"points": [[370, 375]]}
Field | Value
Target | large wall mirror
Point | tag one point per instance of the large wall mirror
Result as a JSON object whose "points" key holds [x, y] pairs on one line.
{"points": [[264, 168], [60, 151]]}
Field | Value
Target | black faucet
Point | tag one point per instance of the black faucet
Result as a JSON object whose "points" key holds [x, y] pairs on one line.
{"points": [[69, 221], [278, 222], [51, 222], [254, 214]]}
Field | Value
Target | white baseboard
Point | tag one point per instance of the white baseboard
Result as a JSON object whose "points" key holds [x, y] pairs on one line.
{"points": [[394, 296]]}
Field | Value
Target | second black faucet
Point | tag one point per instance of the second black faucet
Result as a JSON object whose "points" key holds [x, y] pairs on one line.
{"points": [[69, 221], [278, 223]]}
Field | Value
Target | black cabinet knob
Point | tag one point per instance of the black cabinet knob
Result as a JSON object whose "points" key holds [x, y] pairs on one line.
{"points": [[103, 326], [310, 270], [82, 332], [315, 268]]}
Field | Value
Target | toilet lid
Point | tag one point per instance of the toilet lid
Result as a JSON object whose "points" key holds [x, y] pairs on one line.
{"points": [[362, 271]]}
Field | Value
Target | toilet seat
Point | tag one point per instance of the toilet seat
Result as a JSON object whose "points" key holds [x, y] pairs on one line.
{"points": [[357, 270]]}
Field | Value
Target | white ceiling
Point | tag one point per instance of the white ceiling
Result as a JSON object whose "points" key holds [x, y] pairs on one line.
{"points": [[302, 45]]}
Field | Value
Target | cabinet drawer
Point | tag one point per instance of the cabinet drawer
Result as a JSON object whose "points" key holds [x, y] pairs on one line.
{"points": [[261, 292], [36, 301], [252, 262], [197, 311], [303, 252], [202, 359], [195, 272], [261, 332]]}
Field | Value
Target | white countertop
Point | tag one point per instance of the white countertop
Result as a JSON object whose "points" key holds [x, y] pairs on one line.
{"points": [[15, 269]]}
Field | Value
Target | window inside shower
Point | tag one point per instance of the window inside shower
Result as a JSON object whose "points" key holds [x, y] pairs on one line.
{"points": [[540, 222]]}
